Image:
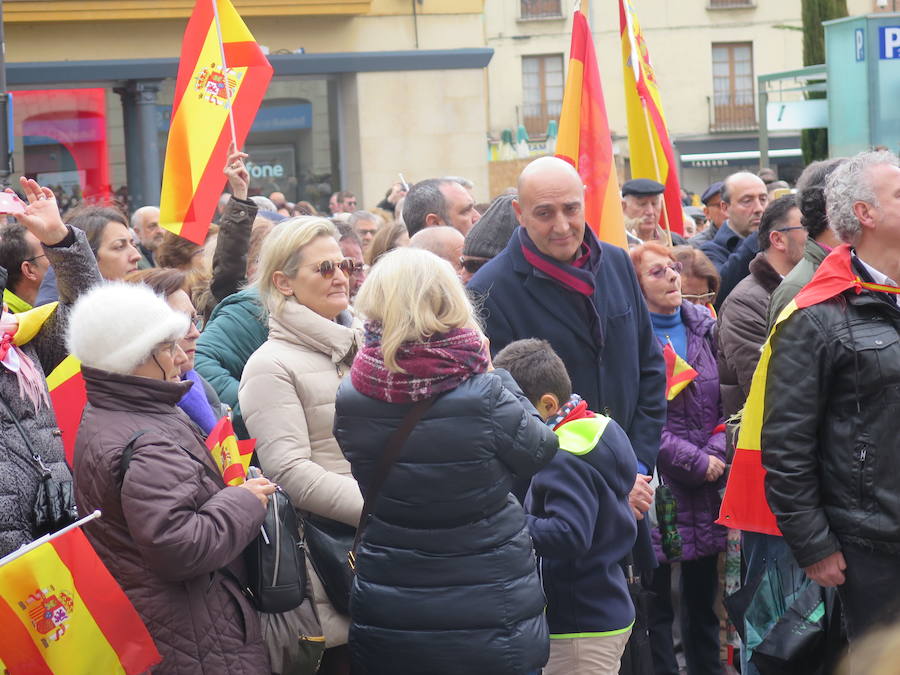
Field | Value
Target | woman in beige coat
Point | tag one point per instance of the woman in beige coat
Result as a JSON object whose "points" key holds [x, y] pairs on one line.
{"points": [[288, 387]]}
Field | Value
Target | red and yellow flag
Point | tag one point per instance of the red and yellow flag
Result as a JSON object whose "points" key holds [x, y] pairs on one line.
{"points": [[744, 505], [584, 139], [230, 455], [679, 373], [68, 396], [62, 612], [200, 131], [648, 137]]}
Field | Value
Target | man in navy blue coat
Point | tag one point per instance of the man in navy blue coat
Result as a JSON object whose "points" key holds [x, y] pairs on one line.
{"points": [[556, 281]]}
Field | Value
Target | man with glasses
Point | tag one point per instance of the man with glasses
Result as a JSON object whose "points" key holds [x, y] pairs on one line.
{"points": [[744, 198], [23, 257]]}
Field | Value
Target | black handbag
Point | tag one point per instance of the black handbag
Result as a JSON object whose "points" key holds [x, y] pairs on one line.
{"points": [[276, 569], [637, 659], [54, 505], [331, 544]]}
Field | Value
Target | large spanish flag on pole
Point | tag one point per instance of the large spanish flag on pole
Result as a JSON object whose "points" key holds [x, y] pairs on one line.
{"points": [[744, 505], [63, 613], [216, 79], [648, 138], [584, 139]]}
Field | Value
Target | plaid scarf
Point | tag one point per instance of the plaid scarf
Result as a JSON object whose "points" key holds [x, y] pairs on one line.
{"points": [[579, 276], [431, 366], [573, 409]]}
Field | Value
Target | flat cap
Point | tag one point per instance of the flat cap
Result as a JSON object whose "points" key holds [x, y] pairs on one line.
{"points": [[712, 191], [642, 187]]}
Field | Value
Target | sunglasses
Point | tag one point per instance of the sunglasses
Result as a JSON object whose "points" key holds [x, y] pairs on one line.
{"points": [[659, 271], [472, 265], [327, 268]]}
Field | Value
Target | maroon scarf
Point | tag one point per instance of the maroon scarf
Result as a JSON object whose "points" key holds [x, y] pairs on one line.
{"points": [[433, 366]]}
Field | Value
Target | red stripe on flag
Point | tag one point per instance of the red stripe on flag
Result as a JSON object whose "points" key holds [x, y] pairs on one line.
{"points": [[106, 601], [17, 650], [191, 47], [240, 54], [744, 505], [203, 204], [68, 400]]}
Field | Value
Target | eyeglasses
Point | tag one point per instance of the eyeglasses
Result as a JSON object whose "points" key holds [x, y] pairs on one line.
{"points": [[788, 229], [472, 264], [169, 348], [702, 298], [197, 320], [327, 268], [32, 259], [659, 271]]}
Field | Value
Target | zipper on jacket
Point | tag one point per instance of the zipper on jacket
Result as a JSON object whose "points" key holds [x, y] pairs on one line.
{"points": [[862, 469], [277, 545]]}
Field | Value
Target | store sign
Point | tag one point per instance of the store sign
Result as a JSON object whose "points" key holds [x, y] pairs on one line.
{"points": [[795, 115], [270, 164], [705, 163]]}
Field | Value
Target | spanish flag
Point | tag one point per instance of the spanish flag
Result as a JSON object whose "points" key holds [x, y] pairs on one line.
{"points": [[584, 139], [648, 138], [744, 505], [62, 612], [69, 396], [678, 373], [200, 131], [230, 455]]}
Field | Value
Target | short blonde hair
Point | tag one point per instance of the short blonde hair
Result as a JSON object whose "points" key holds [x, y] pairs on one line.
{"points": [[282, 251], [415, 295]]}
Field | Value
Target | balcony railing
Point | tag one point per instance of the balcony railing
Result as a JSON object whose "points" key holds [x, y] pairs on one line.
{"points": [[540, 9], [732, 117]]}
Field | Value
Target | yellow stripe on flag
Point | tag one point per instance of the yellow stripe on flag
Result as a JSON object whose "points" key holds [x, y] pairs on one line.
{"points": [[39, 590], [65, 370]]}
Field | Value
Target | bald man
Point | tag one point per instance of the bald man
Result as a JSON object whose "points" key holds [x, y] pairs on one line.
{"points": [[444, 241], [556, 281]]}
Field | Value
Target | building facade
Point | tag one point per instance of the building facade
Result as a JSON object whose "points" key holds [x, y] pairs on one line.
{"points": [[363, 90], [707, 55]]}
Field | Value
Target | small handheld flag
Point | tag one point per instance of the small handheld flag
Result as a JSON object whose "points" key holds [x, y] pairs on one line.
{"points": [[230, 455], [678, 373]]}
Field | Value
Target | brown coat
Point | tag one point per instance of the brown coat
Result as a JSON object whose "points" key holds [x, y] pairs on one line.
{"points": [[169, 526], [287, 397]]}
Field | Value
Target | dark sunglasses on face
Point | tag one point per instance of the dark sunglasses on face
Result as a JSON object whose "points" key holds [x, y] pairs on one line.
{"points": [[327, 267], [473, 264], [659, 271]]}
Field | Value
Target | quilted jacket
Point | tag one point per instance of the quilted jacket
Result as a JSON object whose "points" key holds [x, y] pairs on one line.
{"points": [[169, 525]]}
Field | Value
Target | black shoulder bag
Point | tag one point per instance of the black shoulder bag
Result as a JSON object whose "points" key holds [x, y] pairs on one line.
{"points": [[276, 567], [332, 544]]}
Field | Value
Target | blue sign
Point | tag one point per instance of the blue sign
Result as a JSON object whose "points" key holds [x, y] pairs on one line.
{"points": [[889, 42], [272, 118], [860, 42]]}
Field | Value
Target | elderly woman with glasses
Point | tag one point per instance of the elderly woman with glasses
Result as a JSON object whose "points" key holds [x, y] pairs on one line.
{"points": [[691, 463], [288, 387]]}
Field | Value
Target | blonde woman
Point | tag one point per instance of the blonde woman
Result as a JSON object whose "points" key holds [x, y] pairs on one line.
{"points": [[446, 580], [288, 386]]}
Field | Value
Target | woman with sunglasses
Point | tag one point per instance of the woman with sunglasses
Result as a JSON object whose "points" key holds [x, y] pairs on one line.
{"points": [[691, 463], [288, 387]]}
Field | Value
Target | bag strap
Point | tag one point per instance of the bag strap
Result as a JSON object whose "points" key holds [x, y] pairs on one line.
{"points": [[35, 455], [392, 451]]}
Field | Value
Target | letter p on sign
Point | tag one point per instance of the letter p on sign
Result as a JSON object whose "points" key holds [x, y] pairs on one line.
{"points": [[890, 42]]}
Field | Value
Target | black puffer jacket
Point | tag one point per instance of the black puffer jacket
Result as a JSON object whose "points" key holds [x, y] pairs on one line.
{"points": [[830, 438], [447, 581]]}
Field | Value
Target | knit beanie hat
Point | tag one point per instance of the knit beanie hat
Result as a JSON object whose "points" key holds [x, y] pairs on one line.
{"points": [[116, 326], [491, 234]]}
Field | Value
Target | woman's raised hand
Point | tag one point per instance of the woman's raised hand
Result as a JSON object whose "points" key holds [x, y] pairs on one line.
{"points": [[41, 216]]}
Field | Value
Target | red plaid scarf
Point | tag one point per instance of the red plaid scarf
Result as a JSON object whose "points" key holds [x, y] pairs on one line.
{"points": [[432, 366]]}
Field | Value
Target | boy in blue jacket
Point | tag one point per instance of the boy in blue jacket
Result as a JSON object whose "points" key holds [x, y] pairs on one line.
{"points": [[579, 517]]}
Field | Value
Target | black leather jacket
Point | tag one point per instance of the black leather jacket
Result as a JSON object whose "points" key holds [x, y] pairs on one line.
{"points": [[831, 430]]}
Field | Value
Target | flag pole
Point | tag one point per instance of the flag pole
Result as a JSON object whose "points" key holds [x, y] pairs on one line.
{"points": [[18, 553], [665, 211], [215, 5]]}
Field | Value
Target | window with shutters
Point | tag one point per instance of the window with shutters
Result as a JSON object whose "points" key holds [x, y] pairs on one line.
{"points": [[734, 106], [542, 91]]}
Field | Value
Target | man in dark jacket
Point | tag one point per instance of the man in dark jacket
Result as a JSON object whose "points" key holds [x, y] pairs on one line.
{"points": [[742, 320], [712, 208], [556, 281], [829, 439], [744, 198]]}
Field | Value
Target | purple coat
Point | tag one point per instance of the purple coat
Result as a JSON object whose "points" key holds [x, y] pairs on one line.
{"points": [[688, 440]]}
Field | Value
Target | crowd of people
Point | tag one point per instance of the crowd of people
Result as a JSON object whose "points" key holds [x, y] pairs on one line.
{"points": [[555, 506]]}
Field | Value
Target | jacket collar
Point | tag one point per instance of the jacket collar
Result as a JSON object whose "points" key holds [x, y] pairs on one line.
{"points": [[129, 392], [764, 273], [727, 237], [300, 325], [552, 298], [814, 252]]}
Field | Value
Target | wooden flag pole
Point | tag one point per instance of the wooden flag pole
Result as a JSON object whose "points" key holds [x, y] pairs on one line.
{"points": [[665, 211], [228, 95], [19, 552]]}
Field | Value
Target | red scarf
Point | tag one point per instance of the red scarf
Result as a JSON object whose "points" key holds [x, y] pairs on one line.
{"points": [[432, 366]]}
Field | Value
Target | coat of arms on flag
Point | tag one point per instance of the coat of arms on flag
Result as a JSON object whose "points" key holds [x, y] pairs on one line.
{"points": [[213, 83]]}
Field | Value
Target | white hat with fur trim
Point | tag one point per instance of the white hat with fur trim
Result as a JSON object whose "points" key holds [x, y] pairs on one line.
{"points": [[116, 326]]}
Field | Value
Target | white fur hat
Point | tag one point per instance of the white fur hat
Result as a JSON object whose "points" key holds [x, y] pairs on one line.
{"points": [[116, 326]]}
